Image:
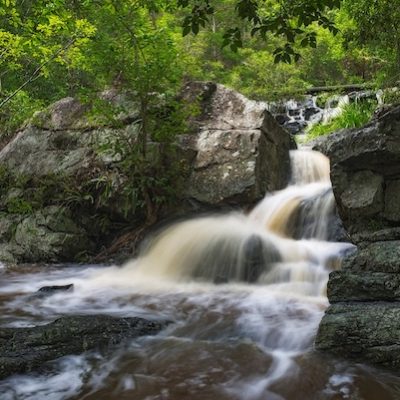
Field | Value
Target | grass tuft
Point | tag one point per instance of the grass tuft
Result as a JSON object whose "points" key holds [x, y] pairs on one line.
{"points": [[354, 115]]}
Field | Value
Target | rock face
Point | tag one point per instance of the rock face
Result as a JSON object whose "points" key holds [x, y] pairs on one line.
{"points": [[242, 152], [49, 210], [367, 332], [364, 317], [24, 349], [366, 176]]}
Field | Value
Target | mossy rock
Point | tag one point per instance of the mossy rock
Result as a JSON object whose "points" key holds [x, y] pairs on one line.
{"points": [[50, 235]]}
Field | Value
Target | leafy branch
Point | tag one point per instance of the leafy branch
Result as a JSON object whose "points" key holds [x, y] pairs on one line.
{"points": [[36, 73]]}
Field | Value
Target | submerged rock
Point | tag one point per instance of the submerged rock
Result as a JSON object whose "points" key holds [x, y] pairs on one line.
{"points": [[258, 258], [49, 290], [229, 260], [24, 349]]}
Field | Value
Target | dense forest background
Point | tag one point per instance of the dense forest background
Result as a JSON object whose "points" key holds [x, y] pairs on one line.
{"points": [[58, 48]]}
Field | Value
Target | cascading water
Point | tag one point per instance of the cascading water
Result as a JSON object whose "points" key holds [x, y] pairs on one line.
{"points": [[245, 293]]}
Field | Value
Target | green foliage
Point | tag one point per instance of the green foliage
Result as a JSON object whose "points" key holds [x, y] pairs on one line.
{"points": [[288, 19], [354, 115], [18, 110], [391, 96], [17, 205], [52, 49], [154, 178], [375, 29]]}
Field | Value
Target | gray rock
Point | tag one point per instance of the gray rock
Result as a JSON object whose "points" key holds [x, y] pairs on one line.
{"points": [[63, 114], [363, 323], [367, 332], [281, 118], [370, 286], [229, 165], [242, 152], [222, 108], [310, 112], [50, 235], [49, 290], [392, 201], [295, 127], [8, 224], [61, 144], [379, 256], [364, 195], [24, 349], [365, 163], [38, 152], [71, 114]]}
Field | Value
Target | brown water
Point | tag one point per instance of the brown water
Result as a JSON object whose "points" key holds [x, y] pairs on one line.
{"points": [[235, 340]]}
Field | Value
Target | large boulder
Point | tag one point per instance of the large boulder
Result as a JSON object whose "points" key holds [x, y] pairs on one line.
{"points": [[50, 175], [363, 320], [365, 176], [242, 152]]}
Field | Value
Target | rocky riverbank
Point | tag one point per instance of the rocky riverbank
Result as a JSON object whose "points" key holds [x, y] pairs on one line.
{"points": [[363, 319]]}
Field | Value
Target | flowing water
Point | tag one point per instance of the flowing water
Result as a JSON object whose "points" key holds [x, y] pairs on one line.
{"points": [[245, 294]]}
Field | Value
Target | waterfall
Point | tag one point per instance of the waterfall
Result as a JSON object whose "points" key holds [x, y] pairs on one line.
{"points": [[297, 116], [244, 292], [284, 240]]}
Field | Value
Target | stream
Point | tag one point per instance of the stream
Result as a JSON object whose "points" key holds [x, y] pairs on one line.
{"points": [[245, 294]]}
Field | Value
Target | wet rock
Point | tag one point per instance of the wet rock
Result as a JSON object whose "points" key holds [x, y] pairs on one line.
{"points": [[369, 286], [306, 222], [230, 260], [310, 112], [365, 332], [49, 290], [363, 321], [377, 256], [258, 258], [282, 118], [295, 127], [372, 273], [24, 349]]}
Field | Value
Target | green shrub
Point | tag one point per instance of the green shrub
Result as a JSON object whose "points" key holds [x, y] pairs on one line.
{"points": [[354, 115], [391, 96], [16, 112]]}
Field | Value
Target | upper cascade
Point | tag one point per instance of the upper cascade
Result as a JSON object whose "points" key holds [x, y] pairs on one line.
{"points": [[297, 115], [308, 167]]}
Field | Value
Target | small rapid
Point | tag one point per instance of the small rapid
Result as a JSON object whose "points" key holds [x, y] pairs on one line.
{"points": [[245, 293]]}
